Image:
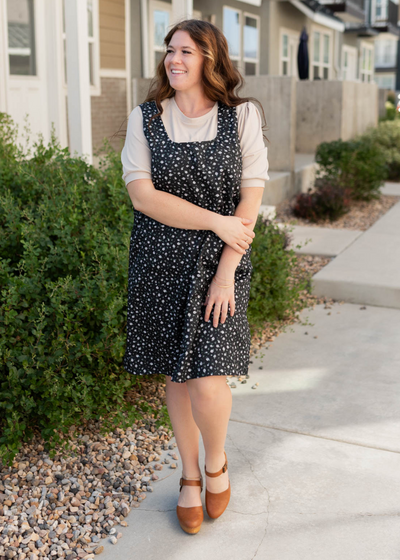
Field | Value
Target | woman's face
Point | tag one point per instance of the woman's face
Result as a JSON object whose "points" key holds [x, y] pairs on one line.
{"points": [[184, 55]]}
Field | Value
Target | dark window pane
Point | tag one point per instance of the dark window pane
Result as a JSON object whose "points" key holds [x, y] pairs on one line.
{"points": [[326, 73], [316, 72], [250, 68], [284, 69]]}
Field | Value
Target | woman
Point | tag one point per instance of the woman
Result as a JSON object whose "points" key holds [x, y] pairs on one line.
{"points": [[195, 170]]}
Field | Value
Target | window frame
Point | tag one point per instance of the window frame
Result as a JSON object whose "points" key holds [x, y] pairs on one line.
{"points": [[241, 59], [33, 51], [385, 6], [164, 7], [250, 60], [321, 64], [349, 50], [291, 35], [366, 72]]}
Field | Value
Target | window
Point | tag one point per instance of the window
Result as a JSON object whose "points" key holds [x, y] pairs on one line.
{"points": [[243, 39], [366, 64], [321, 55], [349, 63], [386, 53], [250, 44], [21, 37], [285, 54], [161, 24], [381, 10], [232, 24], [289, 43], [386, 81], [93, 45]]}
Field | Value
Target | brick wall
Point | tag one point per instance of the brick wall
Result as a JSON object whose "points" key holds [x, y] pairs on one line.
{"points": [[109, 112]]}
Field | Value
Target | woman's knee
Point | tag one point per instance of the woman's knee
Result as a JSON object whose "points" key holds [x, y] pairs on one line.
{"points": [[205, 390]]}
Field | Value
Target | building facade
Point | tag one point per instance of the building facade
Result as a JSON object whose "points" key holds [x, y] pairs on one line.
{"points": [[86, 88]]}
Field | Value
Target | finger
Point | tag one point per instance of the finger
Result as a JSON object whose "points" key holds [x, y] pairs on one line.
{"points": [[243, 244], [238, 249], [232, 306], [224, 311], [216, 314], [208, 311], [249, 232]]}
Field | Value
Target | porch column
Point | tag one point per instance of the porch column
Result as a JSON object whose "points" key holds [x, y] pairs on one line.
{"points": [[181, 9], [79, 103]]}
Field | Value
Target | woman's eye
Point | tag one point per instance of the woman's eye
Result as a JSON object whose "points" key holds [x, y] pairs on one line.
{"points": [[169, 50]]}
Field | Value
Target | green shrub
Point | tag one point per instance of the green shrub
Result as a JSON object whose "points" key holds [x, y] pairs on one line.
{"points": [[272, 292], [358, 166], [64, 239], [328, 201], [387, 137]]}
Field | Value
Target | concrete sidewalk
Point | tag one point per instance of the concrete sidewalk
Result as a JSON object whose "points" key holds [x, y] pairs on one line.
{"points": [[368, 270], [314, 453]]}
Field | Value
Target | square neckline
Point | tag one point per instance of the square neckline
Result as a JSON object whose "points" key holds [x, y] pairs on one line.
{"points": [[193, 141]]}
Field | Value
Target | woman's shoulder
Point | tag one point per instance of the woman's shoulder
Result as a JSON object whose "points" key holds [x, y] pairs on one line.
{"points": [[247, 108]]}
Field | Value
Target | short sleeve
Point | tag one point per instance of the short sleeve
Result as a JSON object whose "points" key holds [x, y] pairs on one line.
{"points": [[135, 155], [254, 152]]}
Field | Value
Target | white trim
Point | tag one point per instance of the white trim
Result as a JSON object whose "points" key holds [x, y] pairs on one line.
{"points": [[4, 60], [318, 18], [128, 56], [55, 69], [96, 88], [113, 73], [79, 104], [144, 15]]}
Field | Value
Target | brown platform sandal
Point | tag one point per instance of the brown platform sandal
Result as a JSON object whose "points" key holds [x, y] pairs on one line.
{"points": [[216, 502], [190, 518]]}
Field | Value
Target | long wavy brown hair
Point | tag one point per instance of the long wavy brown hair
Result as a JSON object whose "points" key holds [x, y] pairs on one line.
{"points": [[221, 79]]}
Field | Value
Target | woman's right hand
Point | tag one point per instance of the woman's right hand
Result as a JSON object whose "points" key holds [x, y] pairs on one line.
{"points": [[233, 231]]}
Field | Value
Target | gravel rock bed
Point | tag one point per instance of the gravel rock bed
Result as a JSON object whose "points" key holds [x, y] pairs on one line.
{"points": [[63, 507], [361, 215]]}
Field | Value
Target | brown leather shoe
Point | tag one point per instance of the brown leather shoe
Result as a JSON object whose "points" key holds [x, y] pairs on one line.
{"points": [[190, 518], [216, 503]]}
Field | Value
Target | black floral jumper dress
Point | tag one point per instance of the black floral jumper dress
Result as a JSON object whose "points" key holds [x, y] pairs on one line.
{"points": [[170, 269]]}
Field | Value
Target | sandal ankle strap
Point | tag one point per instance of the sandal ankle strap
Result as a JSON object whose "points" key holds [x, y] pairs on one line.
{"points": [[189, 482], [224, 468]]}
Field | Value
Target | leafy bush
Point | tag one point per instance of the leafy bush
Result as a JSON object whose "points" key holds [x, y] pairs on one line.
{"points": [[64, 239], [328, 201], [357, 166], [387, 137], [272, 293]]}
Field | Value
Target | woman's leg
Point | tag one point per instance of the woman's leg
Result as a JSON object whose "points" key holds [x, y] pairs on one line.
{"points": [[187, 435], [211, 399]]}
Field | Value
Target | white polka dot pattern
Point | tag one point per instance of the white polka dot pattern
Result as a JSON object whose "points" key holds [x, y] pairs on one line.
{"points": [[170, 269]]}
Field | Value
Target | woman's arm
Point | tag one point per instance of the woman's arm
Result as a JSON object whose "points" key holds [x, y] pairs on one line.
{"points": [[176, 212], [249, 206]]}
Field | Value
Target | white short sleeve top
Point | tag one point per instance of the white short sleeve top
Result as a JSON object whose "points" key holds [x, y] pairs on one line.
{"points": [[136, 155]]}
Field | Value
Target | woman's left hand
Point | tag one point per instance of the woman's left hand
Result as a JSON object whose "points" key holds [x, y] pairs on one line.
{"points": [[219, 298]]}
